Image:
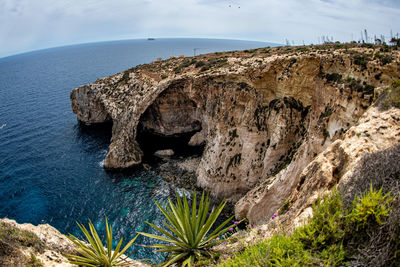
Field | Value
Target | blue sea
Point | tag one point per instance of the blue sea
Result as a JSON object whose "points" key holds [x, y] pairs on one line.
{"points": [[51, 166]]}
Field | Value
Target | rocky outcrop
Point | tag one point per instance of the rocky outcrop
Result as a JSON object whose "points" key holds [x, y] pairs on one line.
{"points": [[375, 131], [25, 244], [41, 245], [263, 116]]}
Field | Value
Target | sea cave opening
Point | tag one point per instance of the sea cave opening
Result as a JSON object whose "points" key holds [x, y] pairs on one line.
{"points": [[169, 123]]}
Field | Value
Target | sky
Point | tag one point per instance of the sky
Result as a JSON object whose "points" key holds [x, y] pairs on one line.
{"points": [[27, 25]]}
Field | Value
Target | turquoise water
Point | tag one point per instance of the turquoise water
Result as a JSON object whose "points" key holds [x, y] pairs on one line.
{"points": [[50, 165]]}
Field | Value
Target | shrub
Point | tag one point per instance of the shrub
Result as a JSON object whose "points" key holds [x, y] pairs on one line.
{"points": [[333, 77], [328, 239], [95, 254], [326, 227], [390, 96], [361, 60], [200, 64], [10, 234], [187, 235], [204, 68], [371, 208]]}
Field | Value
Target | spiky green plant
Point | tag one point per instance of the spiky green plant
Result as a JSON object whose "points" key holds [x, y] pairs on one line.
{"points": [[187, 235], [94, 253]]}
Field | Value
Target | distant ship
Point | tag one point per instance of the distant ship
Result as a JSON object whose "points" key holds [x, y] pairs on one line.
{"points": [[150, 39]]}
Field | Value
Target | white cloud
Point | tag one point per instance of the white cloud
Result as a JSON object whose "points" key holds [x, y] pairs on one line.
{"points": [[27, 25]]}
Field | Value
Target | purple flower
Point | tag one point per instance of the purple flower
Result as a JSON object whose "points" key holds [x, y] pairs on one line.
{"points": [[254, 226], [263, 235], [287, 212], [249, 225], [231, 229], [225, 242], [274, 216], [254, 237], [236, 222]]}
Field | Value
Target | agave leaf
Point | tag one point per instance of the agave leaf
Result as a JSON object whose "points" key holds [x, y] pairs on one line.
{"points": [[175, 231], [174, 223], [194, 214], [175, 259], [187, 220], [96, 237], [165, 239], [127, 246], [178, 217], [109, 239], [168, 214], [89, 238], [189, 261], [205, 212], [217, 232], [161, 246], [117, 248], [83, 259], [84, 264], [200, 213], [162, 231], [95, 254], [82, 248], [208, 224], [105, 260], [170, 250]]}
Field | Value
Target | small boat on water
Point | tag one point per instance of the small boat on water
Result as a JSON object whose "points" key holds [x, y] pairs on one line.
{"points": [[150, 39]]}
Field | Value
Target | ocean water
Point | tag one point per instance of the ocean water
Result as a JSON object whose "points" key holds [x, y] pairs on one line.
{"points": [[51, 166]]}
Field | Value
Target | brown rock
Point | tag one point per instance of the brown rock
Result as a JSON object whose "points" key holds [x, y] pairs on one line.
{"points": [[263, 118]]}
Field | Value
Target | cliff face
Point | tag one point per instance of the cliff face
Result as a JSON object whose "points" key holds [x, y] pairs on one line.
{"points": [[263, 116]]}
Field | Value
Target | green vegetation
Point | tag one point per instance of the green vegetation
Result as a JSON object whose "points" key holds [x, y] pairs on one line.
{"points": [[188, 229], [384, 59], [17, 237], [96, 254], [333, 77], [212, 63], [186, 63], [359, 87], [395, 41], [285, 207], [372, 207], [328, 237], [361, 60], [200, 64], [34, 262], [390, 97]]}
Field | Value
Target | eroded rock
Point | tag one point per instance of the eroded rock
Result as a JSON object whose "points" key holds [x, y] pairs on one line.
{"points": [[262, 117], [164, 153]]}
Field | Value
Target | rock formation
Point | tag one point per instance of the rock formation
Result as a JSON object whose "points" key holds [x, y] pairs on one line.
{"points": [[27, 245], [42, 245], [264, 115]]}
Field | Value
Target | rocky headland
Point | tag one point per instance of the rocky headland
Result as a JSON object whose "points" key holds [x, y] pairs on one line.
{"points": [[269, 119], [270, 129]]}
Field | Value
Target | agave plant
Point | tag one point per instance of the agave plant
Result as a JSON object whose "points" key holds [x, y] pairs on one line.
{"points": [[94, 253], [187, 235]]}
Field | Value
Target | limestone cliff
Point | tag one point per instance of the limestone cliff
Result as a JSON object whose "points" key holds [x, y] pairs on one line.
{"points": [[263, 115], [28, 245]]}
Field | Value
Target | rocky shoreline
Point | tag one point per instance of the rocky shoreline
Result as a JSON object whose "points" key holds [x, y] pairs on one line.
{"points": [[262, 115]]}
